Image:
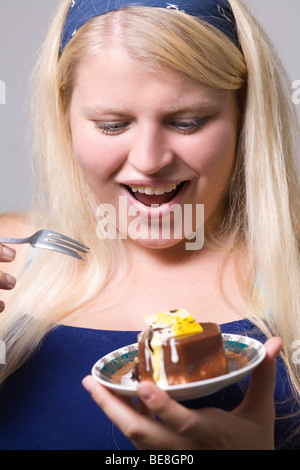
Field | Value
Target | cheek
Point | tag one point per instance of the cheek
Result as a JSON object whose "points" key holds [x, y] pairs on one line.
{"points": [[215, 162], [216, 156], [96, 158]]}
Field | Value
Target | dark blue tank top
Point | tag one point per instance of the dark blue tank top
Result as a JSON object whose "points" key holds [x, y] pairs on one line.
{"points": [[44, 406]]}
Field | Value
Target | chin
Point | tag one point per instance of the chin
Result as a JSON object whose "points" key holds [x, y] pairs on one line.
{"points": [[155, 244]]}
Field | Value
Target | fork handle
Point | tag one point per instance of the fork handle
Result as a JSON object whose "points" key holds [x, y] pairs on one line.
{"points": [[14, 240]]}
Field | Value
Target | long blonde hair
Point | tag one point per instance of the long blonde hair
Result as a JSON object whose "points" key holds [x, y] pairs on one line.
{"points": [[262, 201]]}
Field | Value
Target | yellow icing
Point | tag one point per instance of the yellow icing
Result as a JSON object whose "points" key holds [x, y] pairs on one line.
{"points": [[180, 322]]}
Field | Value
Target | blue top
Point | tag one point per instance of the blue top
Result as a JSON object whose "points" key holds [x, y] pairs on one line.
{"points": [[44, 406]]}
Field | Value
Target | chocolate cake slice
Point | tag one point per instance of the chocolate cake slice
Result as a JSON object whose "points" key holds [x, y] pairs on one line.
{"points": [[175, 349]]}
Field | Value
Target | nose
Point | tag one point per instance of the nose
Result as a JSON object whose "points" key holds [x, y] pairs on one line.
{"points": [[150, 152]]}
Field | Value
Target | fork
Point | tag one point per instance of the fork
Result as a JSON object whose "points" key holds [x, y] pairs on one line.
{"points": [[51, 241]]}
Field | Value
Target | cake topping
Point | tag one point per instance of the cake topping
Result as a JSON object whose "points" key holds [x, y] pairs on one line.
{"points": [[164, 326], [175, 323]]}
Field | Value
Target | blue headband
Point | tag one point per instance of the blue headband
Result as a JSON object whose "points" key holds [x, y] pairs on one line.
{"points": [[216, 12]]}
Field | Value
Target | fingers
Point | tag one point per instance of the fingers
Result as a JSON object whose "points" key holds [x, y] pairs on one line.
{"points": [[144, 431], [192, 429], [7, 282], [168, 410], [120, 411], [6, 254]]}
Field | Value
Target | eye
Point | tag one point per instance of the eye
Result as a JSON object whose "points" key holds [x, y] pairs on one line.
{"points": [[188, 126], [111, 128]]}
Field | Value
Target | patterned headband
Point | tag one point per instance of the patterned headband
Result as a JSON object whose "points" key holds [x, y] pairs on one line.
{"points": [[215, 12]]}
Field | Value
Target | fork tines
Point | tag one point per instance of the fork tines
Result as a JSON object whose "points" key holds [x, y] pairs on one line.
{"points": [[60, 239]]}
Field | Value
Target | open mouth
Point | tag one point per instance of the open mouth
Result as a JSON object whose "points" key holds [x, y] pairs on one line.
{"points": [[155, 195]]}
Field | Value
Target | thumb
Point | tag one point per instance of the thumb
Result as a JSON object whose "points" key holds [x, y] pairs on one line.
{"points": [[260, 394]]}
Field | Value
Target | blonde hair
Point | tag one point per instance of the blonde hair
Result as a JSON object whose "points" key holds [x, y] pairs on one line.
{"points": [[262, 200]]}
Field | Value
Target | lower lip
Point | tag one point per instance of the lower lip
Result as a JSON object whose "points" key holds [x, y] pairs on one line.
{"points": [[153, 211]]}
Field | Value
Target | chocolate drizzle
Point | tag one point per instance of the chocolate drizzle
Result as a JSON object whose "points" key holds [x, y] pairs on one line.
{"points": [[148, 338]]}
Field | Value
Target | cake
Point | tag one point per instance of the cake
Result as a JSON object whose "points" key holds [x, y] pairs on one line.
{"points": [[175, 349]]}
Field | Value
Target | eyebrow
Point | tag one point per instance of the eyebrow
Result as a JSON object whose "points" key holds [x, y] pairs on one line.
{"points": [[97, 110], [195, 106], [94, 110]]}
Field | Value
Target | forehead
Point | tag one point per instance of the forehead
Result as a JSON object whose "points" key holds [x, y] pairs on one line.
{"points": [[115, 79]]}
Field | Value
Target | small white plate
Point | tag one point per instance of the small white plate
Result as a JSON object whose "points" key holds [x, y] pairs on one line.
{"points": [[115, 369]]}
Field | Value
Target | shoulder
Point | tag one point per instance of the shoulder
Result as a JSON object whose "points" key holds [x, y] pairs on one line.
{"points": [[15, 225]]}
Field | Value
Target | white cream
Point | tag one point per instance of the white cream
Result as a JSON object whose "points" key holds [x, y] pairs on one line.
{"points": [[148, 358], [174, 352]]}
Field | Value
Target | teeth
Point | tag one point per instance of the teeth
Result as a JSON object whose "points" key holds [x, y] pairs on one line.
{"points": [[157, 190]]}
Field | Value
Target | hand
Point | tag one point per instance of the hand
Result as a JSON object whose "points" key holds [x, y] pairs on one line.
{"points": [[7, 281], [249, 427]]}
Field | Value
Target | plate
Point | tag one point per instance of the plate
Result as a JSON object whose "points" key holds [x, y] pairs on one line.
{"points": [[114, 370]]}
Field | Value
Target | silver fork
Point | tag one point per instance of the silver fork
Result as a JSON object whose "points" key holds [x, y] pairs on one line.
{"points": [[51, 241]]}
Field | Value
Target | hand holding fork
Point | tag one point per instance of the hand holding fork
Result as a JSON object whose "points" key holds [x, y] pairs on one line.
{"points": [[42, 239]]}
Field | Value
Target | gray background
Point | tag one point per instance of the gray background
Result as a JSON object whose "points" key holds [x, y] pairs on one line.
{"points": [[22, 26]]}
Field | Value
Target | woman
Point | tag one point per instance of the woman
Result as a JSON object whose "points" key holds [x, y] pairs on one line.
{"points": [[155, 107]]}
